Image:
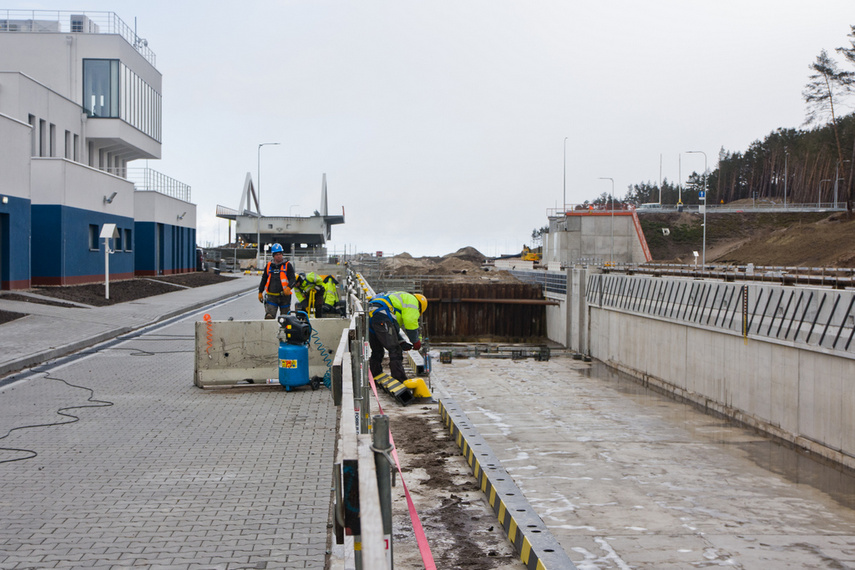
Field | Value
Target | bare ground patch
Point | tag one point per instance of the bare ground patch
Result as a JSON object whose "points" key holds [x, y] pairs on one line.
{"points": [[131, 289], [460, 526]]}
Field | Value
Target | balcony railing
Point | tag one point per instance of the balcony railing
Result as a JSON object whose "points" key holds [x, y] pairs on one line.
{"points": [[148, 180], [70, 22]]}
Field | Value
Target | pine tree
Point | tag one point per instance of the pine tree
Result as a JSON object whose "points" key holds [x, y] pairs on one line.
{"points": [[828, 84]]}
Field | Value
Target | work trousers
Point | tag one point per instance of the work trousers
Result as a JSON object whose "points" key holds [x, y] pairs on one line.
{"points": [[276, 302], [384, 336]]}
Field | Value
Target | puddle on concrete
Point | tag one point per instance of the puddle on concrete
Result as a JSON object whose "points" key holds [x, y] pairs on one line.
{"points": [[795, 466], [778, 457]]}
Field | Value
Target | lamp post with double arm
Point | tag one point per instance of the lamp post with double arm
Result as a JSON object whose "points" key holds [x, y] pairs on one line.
{"points": [[258, 200], [704, 198]]}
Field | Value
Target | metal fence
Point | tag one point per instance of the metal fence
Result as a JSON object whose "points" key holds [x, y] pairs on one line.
{"points": [[551, 281], [801, 315]]}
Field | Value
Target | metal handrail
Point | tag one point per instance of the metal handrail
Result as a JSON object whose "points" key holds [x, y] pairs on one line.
{"points": [[148, 180], [836, 277], [808, 316], [821, 207], [66, 22]]}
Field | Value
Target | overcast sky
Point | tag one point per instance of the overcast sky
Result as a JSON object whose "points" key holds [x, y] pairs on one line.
{"points": [[441, 123]]}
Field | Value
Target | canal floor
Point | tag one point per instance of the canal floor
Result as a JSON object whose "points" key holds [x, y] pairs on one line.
{"points": [[625, 477]]}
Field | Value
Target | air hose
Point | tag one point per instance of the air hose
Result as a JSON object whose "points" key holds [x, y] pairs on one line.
{"points": [[325, 355]]}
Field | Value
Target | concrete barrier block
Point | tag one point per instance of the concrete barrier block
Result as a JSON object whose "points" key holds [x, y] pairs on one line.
{"points": [[246, 352]]}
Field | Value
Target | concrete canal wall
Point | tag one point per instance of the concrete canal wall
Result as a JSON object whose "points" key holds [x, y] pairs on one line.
{"points": [[778, 358]]}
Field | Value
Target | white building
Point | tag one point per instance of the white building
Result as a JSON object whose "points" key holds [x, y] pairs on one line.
{"points": [[80, 98]]}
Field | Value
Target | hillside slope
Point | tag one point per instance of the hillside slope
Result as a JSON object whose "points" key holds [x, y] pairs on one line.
{"points": [[790, 239]]}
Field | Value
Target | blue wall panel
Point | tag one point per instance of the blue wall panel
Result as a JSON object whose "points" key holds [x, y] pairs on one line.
{"points": [[164, 249], [144, 248], [15, 225], [61, 254]]}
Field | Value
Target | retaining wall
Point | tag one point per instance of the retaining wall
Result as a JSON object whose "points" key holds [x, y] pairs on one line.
{"points": [[794, 388]]}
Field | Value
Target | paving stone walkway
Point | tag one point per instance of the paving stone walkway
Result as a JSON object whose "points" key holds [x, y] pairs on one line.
{"points": [[157, 473]]}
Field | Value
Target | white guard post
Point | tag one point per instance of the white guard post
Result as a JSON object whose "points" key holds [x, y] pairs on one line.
{"points": [[108, 232]]}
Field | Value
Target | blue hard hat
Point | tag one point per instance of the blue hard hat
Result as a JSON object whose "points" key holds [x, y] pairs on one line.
{"points": [[276, 248]]}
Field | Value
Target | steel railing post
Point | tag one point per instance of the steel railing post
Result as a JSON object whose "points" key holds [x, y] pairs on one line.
{"points": [[383, 464]]}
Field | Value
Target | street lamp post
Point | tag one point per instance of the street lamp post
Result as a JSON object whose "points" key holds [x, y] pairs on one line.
{"points": [[564, 196], [819, 193], [837, 179], [786, 156], [612, 250], [704, 250], [258, 201]]}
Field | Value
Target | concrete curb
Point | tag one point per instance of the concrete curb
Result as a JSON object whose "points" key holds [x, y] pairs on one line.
{"points": [[527, 532], [57, 352]]}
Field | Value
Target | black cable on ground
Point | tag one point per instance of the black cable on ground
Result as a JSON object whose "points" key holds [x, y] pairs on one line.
{"points": [[61, 411], [88, 352]]}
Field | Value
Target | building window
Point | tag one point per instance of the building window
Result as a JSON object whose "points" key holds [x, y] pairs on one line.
{"points": [[128, 241], [141, 105], [35, 135], [52, 140], [67, 153], [101, 87], [93, 237], [117, 242], [42, 137], [76, 157]]}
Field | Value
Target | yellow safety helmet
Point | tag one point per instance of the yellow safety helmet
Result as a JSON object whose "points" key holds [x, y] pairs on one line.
{"points": [[422, 302]]}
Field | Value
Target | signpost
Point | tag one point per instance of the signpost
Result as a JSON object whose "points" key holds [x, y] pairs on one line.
{"points": [[108, 232]]}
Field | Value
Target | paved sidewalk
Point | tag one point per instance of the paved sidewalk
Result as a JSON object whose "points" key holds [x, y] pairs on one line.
{"points": [[139, 467], [49, 332]]}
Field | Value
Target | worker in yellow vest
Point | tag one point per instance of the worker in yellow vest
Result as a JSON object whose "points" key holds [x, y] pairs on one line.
{"points": [[326, 293], [389, 313], [275, 287]]}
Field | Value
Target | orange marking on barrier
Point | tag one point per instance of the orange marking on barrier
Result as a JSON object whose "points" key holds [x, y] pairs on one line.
{"points": [[209, 334]]}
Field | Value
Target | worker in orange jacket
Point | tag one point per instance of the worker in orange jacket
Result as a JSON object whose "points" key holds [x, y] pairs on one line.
{"points": [[276, 281]]}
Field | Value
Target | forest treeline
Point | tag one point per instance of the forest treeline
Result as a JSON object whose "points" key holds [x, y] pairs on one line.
{"points": [[799, 166], [802, 163]]}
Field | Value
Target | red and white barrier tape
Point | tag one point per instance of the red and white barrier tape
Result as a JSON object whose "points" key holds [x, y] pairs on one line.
{"points": [[418, 530]]}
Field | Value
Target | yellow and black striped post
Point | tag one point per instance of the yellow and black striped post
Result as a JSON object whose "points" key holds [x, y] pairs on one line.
{"points": [[394, 388], [537, 548]]}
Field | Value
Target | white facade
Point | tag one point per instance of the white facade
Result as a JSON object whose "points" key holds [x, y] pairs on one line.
{"points": [[14, 157], [80, 99]]}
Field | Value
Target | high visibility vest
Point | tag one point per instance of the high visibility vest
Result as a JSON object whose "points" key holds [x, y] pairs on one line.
{"points": [[400, 306], [283, 277]]}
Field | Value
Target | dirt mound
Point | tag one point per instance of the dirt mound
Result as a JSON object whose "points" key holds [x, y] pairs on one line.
{"points": [[809, 239], [467, 254], [453, 265], [431, 266], [829, 242], [464, 265], [407, 265]]}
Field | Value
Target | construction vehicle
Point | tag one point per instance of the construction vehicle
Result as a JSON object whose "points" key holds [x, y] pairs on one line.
{"points": [[529, 255]]}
